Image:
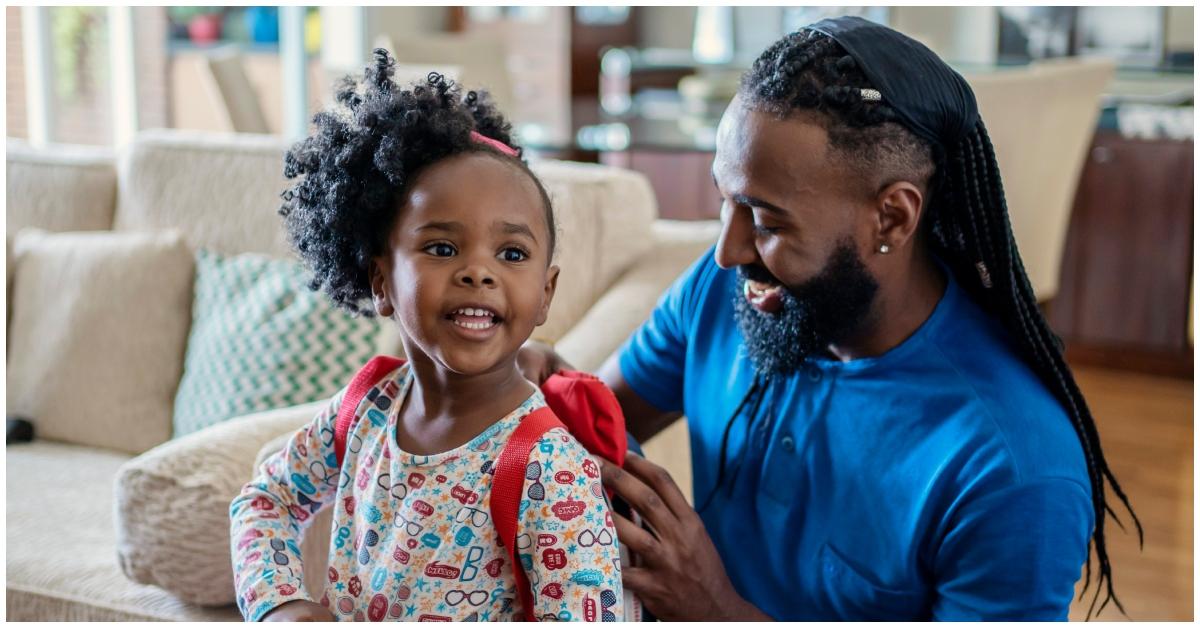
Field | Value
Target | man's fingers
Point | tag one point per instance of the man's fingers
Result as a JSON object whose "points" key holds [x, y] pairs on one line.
{"points": [[640, 580], [661, 481], [641, 497], [638, 540]]}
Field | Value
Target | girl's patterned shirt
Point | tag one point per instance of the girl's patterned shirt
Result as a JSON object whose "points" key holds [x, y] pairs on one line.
{"points": [[413, 537]]}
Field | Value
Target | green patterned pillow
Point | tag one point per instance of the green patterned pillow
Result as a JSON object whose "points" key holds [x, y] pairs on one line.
{"points": [[261, 339]]}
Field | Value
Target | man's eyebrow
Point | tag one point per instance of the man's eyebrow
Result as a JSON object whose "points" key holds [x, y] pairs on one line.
{"points": [[743, 199], [517, 229], [441, 226]]}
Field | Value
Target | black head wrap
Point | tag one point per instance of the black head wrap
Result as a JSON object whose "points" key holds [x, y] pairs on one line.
{"points": [[933, 100]]}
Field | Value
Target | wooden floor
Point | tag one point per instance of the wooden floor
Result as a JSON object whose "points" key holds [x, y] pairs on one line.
{"points": [[1145, 428]]}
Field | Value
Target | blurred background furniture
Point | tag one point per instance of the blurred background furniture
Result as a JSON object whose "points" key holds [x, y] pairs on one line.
{"points": [[1041, 119], [232, 92], [1126, 294], [477, 61]]}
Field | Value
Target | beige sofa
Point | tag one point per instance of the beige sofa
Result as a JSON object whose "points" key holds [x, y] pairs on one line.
{"points": [[65, 526]]}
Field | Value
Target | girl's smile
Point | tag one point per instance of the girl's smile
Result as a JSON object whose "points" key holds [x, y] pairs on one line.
{"points": [[475, 321]]}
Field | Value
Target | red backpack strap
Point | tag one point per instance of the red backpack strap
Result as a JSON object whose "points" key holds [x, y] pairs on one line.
{"points": [[507, 486], [363, 382]]}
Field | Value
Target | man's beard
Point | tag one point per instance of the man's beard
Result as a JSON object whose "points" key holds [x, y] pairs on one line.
{"points": [[824, 310]]}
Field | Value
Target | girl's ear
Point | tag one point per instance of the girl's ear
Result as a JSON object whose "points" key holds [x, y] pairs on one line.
{"points": [[548, 294], [377, 272]]}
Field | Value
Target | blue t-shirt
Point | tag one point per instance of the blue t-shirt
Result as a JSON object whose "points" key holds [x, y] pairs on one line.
{"points": [[941, 480]]}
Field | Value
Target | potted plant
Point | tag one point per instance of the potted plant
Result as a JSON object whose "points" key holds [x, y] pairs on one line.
{"points": [[203, 24]]}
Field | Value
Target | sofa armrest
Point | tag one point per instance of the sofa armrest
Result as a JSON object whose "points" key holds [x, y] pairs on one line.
{"points": [[172, 504], [629, 301], [625, 306]]}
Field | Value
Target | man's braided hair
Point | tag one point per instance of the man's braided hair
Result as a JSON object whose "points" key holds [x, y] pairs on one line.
{"points": [[966, 223]]}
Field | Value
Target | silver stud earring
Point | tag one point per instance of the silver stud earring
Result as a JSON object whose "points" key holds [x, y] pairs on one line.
{"points": [[883, 248]]}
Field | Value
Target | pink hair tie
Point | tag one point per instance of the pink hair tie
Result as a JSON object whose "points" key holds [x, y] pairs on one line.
{"points": [[496, 144]]}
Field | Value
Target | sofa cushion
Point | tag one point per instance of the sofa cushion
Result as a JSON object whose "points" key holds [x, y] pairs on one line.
{"points": [[60, 563], [220, 189], [97, 336], [59, 188], [262, 339], [173, 504], [604, 216], [627, 304]]}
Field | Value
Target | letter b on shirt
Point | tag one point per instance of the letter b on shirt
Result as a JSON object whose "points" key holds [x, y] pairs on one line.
{"points": [[470, 568]]}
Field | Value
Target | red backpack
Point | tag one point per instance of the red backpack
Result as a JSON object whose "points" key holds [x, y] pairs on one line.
{"points": [[593, 415]]}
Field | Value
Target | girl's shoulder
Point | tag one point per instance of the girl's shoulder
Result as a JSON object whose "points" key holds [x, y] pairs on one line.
{"points": [[386, 392], [559, 450]]}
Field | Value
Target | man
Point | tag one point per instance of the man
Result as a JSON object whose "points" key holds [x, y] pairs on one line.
{"points": [[882, 425]]}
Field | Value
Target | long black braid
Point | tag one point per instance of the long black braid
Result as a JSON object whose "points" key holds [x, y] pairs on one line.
{"points": [[755, 394], [966, 225]]}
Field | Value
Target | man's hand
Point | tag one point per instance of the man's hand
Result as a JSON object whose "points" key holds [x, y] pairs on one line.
{"points": [[680, 576], [299, 610], [538, 361]]}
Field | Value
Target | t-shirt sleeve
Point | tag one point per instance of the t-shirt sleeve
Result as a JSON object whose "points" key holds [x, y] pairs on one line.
{"points": [[269, 516], [1014, 554], [566, 539], [652, 360]]}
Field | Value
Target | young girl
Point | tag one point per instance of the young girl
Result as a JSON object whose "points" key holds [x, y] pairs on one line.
{"points": [[414, 202]]}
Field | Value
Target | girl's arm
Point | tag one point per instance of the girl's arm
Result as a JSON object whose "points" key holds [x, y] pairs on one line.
{"points": [[268, 518], [566, 537]]}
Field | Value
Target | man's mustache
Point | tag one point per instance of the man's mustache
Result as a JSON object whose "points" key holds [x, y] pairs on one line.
{"points": [[757, 273]]}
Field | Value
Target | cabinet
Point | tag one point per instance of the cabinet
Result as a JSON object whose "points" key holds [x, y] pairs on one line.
{"points": [[1127, 268]]}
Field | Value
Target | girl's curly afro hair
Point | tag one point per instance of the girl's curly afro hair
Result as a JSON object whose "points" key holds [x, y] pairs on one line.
{"points": [[355, 170]]}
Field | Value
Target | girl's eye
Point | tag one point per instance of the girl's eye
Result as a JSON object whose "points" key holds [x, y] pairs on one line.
{"points": [[440, 249], [512, 254]]}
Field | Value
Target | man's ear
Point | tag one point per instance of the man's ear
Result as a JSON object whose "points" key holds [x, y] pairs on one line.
{"points": [[899, 205], [379, 288], [548, 295]]}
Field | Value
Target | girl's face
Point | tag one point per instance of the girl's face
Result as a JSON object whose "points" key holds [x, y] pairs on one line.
{"points": [[467, 275]]}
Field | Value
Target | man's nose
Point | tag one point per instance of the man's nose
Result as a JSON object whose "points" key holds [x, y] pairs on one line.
{"points": [[735, 246], [475, 275]]}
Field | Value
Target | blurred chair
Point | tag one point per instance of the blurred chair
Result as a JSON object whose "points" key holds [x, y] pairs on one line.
{"points": [[234, 93], [1041, 120], [478, 62]]}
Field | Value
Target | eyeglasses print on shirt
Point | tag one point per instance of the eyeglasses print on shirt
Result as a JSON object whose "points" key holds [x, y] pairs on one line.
{"points": [[398, 490], [477, 517], [369, 540], [322, 473], [278, 547], [608, 599], [474, 598], [533, 471], [587, 538], [411, 527]]}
